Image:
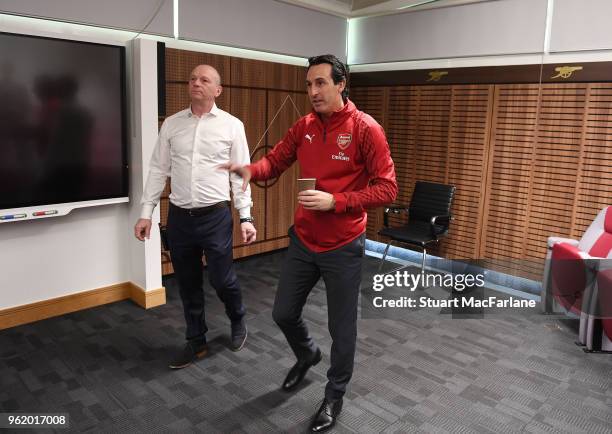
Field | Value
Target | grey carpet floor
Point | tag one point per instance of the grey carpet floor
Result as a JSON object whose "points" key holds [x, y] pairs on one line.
{"points": [[422, 371]]}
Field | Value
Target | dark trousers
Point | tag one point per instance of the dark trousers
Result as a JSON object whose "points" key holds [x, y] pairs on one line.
{"points": [[211, 234], [341, 272]]}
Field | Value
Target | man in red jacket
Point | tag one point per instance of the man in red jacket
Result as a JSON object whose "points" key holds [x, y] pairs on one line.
{"points": [[348, 154]]}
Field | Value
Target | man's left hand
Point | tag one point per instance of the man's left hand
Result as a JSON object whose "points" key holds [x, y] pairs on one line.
{"points": [[316, 200], [249, 233]]}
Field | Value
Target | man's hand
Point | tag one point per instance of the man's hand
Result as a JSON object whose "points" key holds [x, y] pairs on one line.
{"points": [[316, 200], [249, 233], [142, 229], [241, 171]]}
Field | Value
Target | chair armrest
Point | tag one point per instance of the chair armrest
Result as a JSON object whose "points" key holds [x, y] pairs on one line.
{"points": [[443, 220], [392, 210], [440, 220], [554, 240], [591, 263]]}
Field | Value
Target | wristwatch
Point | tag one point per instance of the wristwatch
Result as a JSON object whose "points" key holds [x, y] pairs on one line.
{"points": [[247, 220]]}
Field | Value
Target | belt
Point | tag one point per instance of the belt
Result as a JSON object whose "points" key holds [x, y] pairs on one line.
{"points": [[199, 212]]}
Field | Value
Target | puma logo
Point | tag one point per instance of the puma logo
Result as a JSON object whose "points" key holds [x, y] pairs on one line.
{"points": [[309, 137]]}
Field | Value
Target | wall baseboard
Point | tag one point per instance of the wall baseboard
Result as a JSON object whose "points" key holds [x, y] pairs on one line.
{"points": [[147, 299], [28, 313]]}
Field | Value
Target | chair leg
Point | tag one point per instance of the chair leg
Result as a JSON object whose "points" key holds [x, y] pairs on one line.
{"points": [[423, 261], [424, 284], [382, 261]]}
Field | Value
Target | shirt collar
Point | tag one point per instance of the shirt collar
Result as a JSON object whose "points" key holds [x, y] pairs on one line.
{"points": [[213, 111]]}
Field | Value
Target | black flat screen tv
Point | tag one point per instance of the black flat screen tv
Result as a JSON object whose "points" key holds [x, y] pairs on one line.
{"points": [[62, 121]]}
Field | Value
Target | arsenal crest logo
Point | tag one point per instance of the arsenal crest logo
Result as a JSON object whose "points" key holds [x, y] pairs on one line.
{"points": [[344, 140]]}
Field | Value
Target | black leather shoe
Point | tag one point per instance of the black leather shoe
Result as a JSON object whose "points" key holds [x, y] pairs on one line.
{"points": [[239, 335], [189, 354], [326, 415], [298, 371]]}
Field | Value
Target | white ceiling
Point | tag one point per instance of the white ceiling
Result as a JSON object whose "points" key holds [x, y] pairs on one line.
{"points": [[360, 8]]}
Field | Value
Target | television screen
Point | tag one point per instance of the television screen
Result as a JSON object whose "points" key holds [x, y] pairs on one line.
{"points": [[62, 121]]}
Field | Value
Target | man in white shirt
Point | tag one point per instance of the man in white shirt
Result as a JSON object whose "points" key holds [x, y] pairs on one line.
{"points": [[191, 145]]}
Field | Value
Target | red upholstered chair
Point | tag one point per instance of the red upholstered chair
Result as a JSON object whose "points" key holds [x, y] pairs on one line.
{"points": [[571, 270], [599, 326]]}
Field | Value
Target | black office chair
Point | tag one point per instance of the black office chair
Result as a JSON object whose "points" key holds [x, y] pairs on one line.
{"points": [[428, 218]]}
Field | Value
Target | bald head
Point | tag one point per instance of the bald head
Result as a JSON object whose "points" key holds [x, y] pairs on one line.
{"points": [[209, 71], [204, 85]]}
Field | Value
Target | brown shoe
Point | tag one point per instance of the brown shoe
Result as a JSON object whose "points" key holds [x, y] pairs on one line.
{"points": [[189, 354]]}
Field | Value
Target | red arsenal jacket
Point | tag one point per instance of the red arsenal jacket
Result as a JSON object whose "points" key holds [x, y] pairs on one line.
{"points": [[349, 156]]}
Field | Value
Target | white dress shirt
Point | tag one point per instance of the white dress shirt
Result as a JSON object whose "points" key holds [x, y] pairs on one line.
{"points": [[189, 149]]}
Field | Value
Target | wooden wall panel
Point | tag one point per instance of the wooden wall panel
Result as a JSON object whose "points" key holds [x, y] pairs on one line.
{"points": [[529, 161], [284, 109], [509, 175], [249, 105], [402, 128], [266, 75], [432, 129], [371, 100], [249, 73], [180, 63], [554, 169], [374, 102], [286, 77], [594, 183], [467, 153]]}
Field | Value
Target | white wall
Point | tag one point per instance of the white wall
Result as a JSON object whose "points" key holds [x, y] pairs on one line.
{"points": [[266, 25], [581, 25], [91, 247], [503, 27], [494, 33], [133, 15], [48, 258]]}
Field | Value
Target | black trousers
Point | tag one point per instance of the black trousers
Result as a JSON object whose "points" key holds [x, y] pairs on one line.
{"points": [[341, 272], [189, 237]]}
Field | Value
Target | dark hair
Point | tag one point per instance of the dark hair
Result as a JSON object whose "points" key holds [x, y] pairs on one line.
{"points": [[340, 71]]}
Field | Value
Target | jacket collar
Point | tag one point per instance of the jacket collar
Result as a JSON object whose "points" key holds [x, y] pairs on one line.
{"points": [[339, 117]]}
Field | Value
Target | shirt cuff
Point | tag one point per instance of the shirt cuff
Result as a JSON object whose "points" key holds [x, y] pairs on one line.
{"points": [[147, 212], [340, 199], [245, 212]]}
